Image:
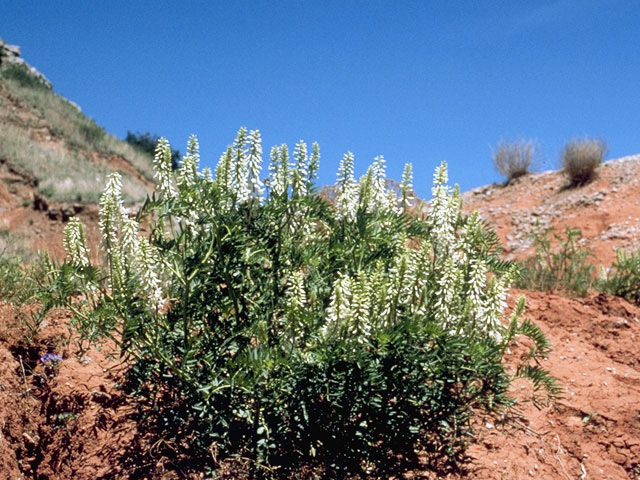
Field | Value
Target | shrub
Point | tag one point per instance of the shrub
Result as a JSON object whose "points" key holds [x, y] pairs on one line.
{"points": [[20, 282], [11, 277], [623, 279], [564, 270], [147, 142], [91, 132], [581, 158], [272, 326], [513, 159], [21, 74]]}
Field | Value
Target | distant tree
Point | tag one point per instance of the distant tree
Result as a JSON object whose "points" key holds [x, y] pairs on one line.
{"points": [[147, 143]]}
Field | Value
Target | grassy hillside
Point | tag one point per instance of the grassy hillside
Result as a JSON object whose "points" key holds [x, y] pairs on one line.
{"points": [[49, 138]]}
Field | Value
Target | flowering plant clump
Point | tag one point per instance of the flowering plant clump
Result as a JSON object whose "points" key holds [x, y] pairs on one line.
{"points": [[264, 323]]}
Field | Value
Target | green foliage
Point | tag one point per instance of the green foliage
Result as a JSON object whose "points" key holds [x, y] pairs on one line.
{"points": [[563, 269], [11, 279], [21, 74], [91, 132], [580, 159], [147, 142], [623, 278], [22, 284], [280, 329]]}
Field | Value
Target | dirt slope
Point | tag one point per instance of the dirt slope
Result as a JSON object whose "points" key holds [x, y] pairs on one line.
{"points": [[607, 211]]}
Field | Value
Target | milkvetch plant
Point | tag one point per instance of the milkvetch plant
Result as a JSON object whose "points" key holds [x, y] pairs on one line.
{"points": [[264, 323]]}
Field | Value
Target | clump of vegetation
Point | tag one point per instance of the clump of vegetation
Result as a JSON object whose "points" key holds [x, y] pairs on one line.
{"points": [[580, 159], [147, 142], [623, 278], [20, 73], [17, 285], [513, 159], [563, 269], [265, 324], [11, 279], [62, 175]]}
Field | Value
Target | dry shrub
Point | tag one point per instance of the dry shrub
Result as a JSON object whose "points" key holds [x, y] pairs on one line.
{"points": [[513, 159], [580, 159]]}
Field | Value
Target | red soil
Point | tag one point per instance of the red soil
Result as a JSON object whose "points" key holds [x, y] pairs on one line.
{"points": [[607, 210]]}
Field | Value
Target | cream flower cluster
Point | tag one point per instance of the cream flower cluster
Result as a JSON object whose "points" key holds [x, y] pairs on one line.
{"points": [[466, 297], [127, 252], [74, 242]]}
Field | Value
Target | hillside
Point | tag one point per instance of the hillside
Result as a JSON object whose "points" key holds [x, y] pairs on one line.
{"points": [[607, 210], [53, 159]]}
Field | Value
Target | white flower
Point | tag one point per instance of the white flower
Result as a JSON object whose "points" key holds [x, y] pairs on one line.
{"points": [[379, 194], [163, 171], [339, 310], [347, 201], [256, 188], [406, 186], [299, 181], [148, 267], [443, 212], [111, 208], [188, 171], [279, 170], [240, 167], [74, 242]]}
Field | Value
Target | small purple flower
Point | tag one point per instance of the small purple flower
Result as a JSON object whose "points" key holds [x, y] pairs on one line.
{"points": [[50, 357]]}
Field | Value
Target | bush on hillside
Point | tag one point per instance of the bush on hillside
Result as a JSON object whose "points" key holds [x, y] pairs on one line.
{"points": [[513, 159], [21, 74], [147, 142], [91, 132], [623, 279], [581, 158], [563, 269], [265, 324]]}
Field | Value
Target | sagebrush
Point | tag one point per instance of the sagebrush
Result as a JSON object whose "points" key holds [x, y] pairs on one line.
{"points": [[513, 158], [262, 323], [580, 159]]}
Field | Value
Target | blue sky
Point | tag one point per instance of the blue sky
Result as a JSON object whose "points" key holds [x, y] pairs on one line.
{"points": [[415, 81]]}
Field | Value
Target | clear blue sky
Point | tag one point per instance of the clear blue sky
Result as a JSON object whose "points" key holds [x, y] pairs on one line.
{"points": [[419, 81]]}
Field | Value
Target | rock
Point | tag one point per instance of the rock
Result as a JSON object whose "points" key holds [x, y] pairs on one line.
{"points": [[12, 50], [11, 54], [40, 203], [66, 213]]}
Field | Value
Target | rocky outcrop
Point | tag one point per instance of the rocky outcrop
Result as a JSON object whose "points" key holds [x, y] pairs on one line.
{"points": [[11, 54]]}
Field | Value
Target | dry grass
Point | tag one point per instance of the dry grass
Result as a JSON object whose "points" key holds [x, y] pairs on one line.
{"points": [[69, 172], [62, 176], [513, 158], [581, 158]]}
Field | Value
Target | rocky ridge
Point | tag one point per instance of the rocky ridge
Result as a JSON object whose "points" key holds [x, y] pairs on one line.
{"points": [[11, 54]]}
